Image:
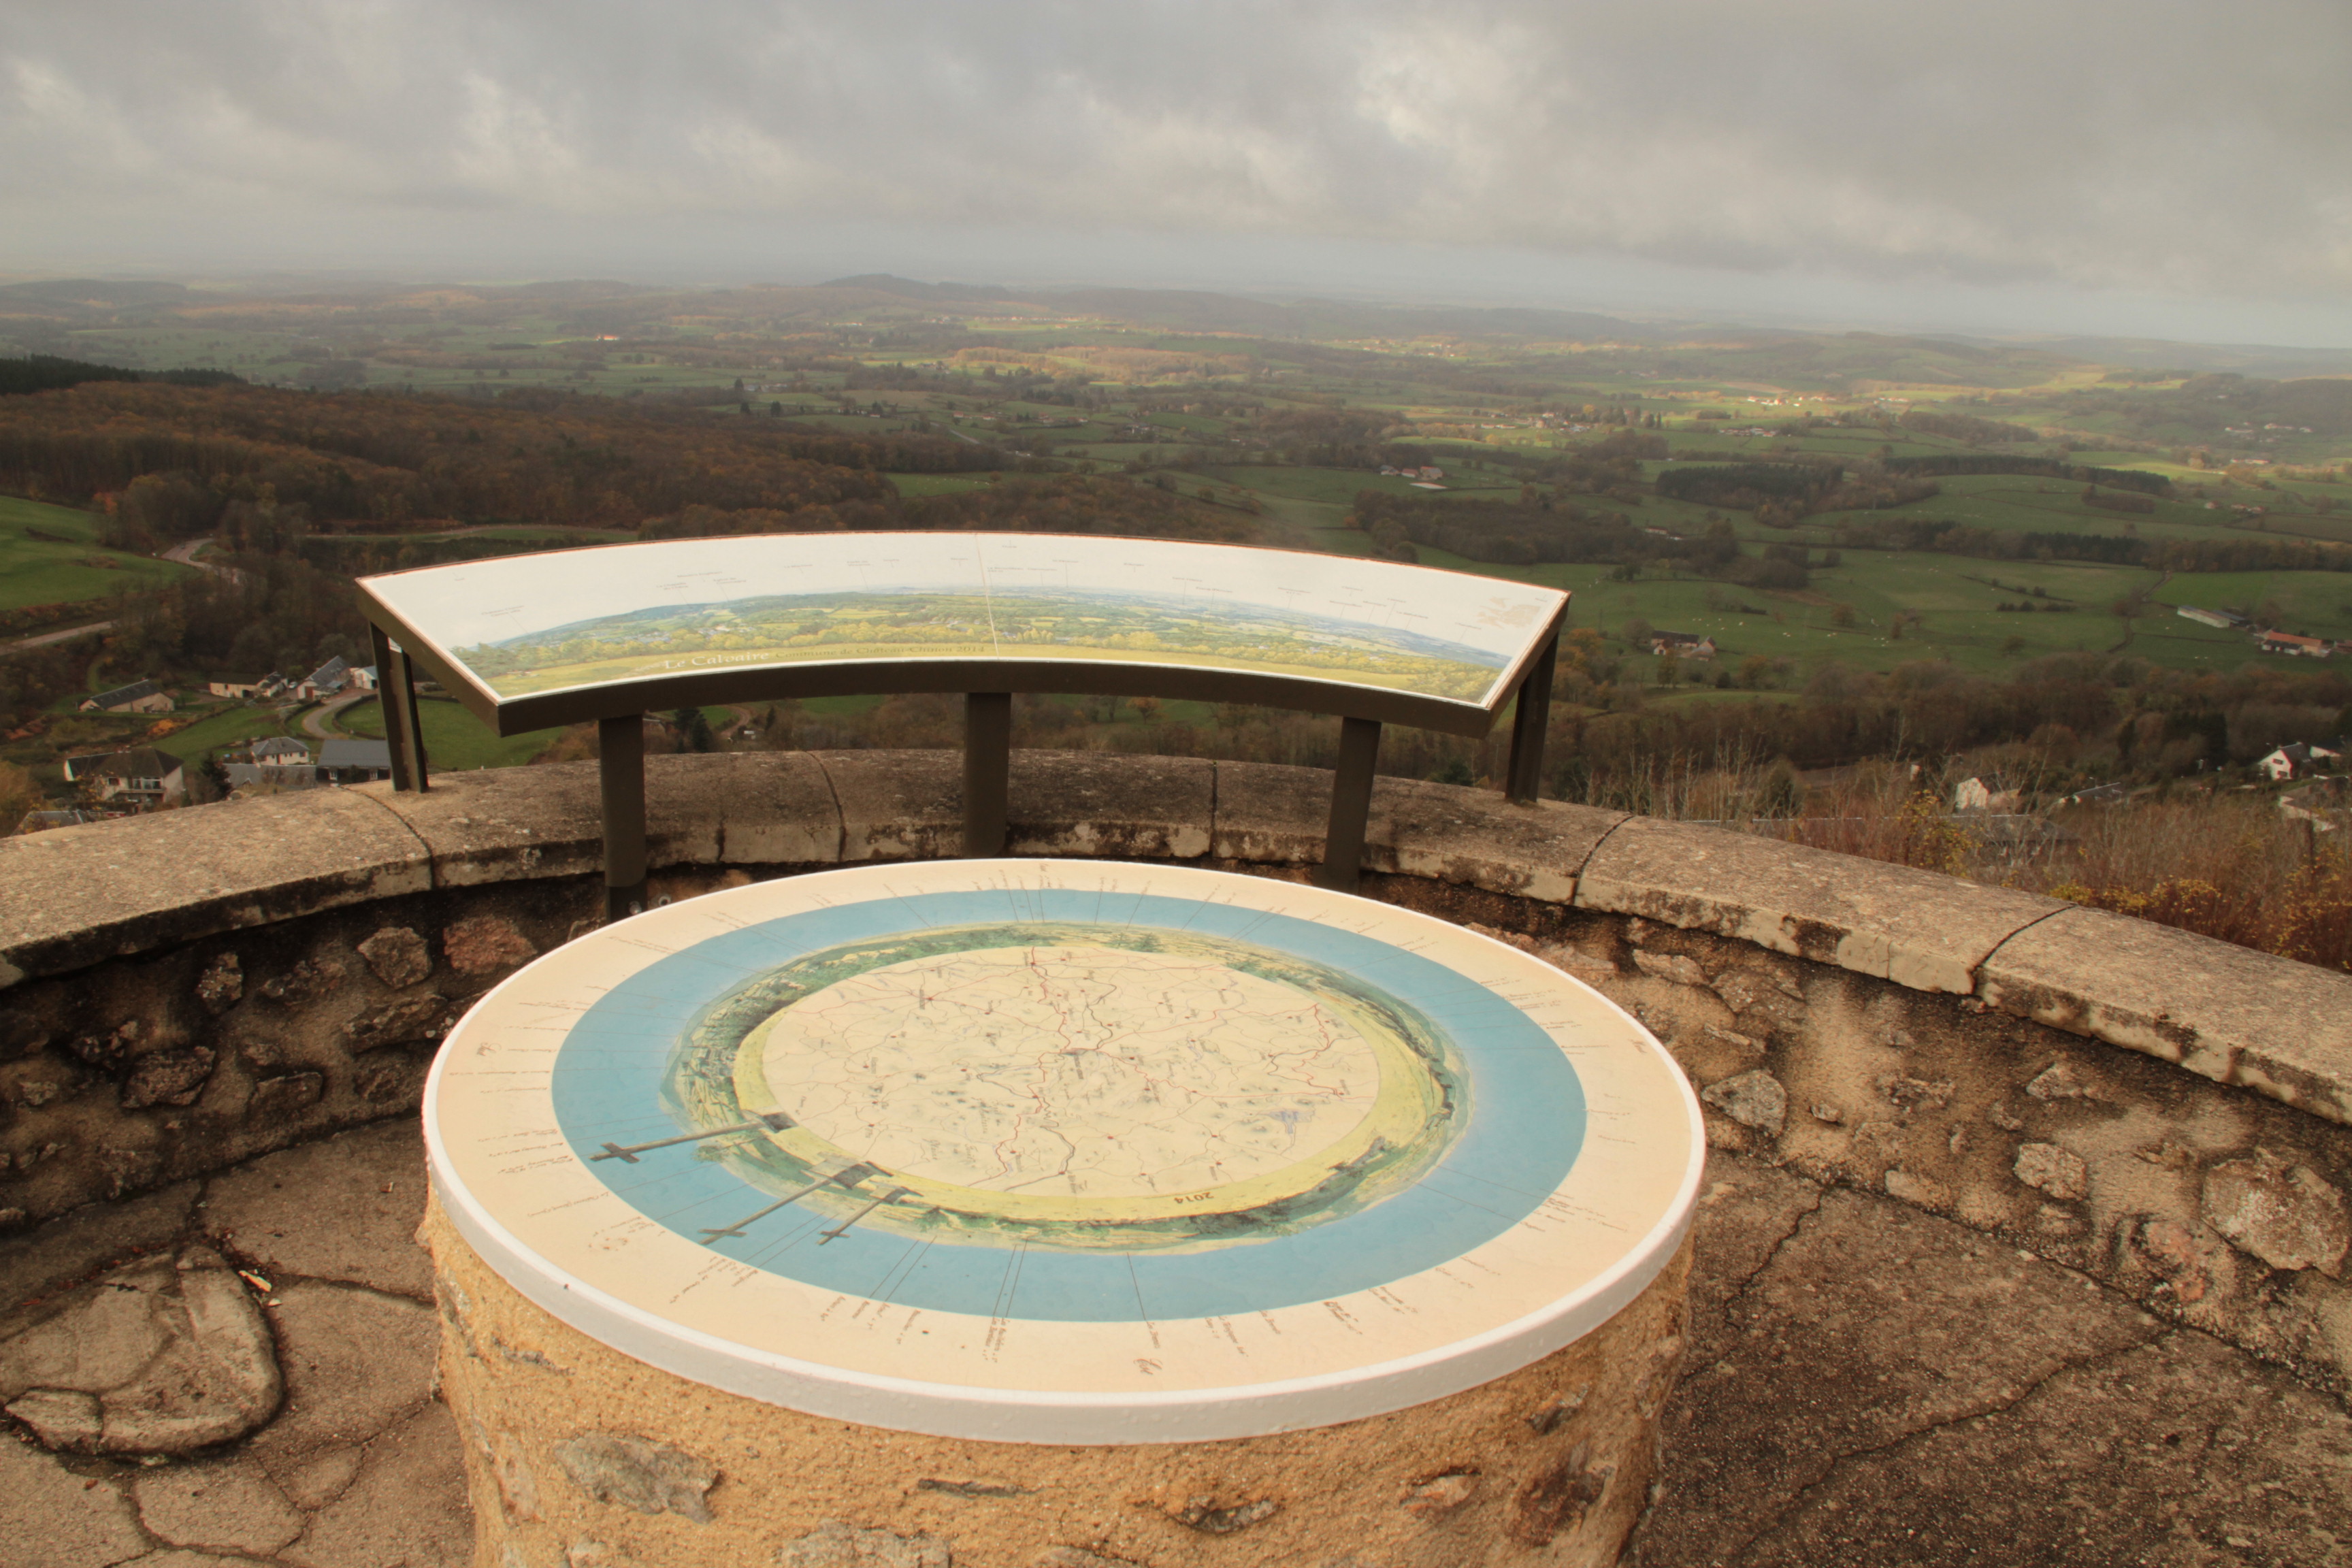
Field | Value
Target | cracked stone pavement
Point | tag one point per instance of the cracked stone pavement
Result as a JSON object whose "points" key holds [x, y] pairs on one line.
{"points": [[1865, 1384], [359, 1466]]}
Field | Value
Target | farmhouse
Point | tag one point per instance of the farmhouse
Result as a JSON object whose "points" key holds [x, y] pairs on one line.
{"points": [[141, 776], [324, 681], [1682, 644], [1976, 795], [2297, 761], [2294, 647], [139, 697]]}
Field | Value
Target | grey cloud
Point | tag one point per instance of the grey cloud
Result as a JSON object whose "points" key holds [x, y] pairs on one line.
{"points": [[2150, 146]]}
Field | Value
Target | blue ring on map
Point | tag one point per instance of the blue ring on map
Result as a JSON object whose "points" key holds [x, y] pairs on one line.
{"points": [[1526, 1127]]}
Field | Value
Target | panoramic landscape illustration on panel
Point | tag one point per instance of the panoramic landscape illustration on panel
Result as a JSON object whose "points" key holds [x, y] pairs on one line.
{"points": [[1451, 637]]}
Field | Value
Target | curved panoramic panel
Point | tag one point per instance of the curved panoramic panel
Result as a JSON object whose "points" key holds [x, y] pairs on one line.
{"points": [[561, 637], [1064, 1152]]}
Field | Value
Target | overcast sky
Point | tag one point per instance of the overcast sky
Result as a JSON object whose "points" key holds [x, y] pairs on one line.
{"points": [[2140, 166]]}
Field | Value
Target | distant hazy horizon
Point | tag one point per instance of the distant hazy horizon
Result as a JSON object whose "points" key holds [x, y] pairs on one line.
{"points": [[2087, 168]]}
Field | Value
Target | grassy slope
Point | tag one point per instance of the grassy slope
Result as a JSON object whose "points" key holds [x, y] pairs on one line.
{"points": [[46, 572]]}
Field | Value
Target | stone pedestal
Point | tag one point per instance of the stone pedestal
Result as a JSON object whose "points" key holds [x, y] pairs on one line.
{"points": [[582, 1458]]}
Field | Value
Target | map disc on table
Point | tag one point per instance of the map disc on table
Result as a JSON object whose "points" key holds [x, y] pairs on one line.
{"points": [[1064, 1152]]}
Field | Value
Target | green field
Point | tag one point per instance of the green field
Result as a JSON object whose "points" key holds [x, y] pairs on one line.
{"points": [[455, 740], [68, 565], [1229, 400], [935, 484]]}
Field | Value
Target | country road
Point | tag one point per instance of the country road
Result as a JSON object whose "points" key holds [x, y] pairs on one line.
{"points": [[45, 638], [314, 721], [185, 555]]}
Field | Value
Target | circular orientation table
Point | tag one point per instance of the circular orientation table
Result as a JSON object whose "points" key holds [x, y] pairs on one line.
{"points": [[1091, 1171]]}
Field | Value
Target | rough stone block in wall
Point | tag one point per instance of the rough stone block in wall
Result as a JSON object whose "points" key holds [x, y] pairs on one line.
{"points": [[2222, 1209], [143, 1069]]}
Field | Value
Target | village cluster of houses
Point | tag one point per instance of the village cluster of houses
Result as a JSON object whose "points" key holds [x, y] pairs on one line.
{"points": [[1424, 472], [2283, 764], [145, 778], [330, 679]]}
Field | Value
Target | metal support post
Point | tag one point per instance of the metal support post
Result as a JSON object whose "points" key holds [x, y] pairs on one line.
{"points": [[404, 731], [1351, 805], [412, 719], [987, 771], [621, 769], [1529, 719], [395, 733]]}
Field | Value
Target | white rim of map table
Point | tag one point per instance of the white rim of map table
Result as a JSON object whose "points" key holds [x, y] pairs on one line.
{"points": [[1063, 1151]]}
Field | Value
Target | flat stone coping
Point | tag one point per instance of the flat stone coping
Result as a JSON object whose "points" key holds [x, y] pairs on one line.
{"points": [[72, 897], [1170, 1154]]}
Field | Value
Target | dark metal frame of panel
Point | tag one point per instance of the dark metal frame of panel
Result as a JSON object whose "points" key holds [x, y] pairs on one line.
{"points": [[618, 710]]}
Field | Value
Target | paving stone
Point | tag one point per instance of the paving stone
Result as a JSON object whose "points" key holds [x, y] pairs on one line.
{"points": [[155, 1357], [406, 1509], [321, 1210], [319, 1480], [178, 1558], [228, 1505], [1748, 1210], [1873, 1322], [85, 1239], [356, 1363], [2175, 1452], [50, 1519]]}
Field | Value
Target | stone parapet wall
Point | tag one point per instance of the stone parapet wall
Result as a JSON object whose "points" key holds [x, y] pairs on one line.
{"points": [[2166, 1113]]}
